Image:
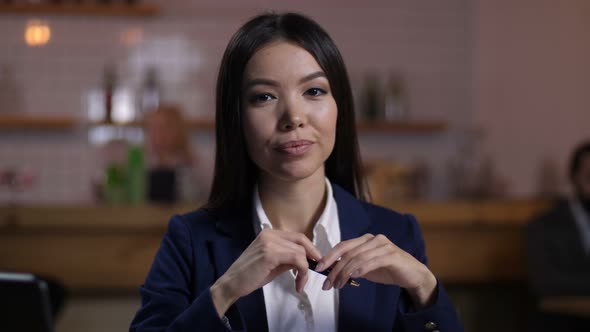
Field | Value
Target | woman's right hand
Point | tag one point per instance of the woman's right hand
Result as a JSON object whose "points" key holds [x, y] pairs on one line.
{"points": [[270, 254]]}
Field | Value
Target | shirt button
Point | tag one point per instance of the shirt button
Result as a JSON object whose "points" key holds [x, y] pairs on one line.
{"points": [[430, 326], [301, 306]]}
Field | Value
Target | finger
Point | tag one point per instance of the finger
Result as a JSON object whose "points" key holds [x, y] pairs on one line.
{"points": [[287, 244], [300, 281], [276, 250], [286, 258], [273, 241], [304, 241], [299, 263], [339, 250], [377, 241], [353, 269], [337, 276], [286, 252], [336, 272]]}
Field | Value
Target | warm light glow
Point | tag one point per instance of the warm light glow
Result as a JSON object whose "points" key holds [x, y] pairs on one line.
{"points": [[37, 33], [132, 36]]}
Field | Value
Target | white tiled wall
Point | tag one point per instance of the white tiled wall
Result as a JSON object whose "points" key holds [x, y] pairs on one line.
{"points": [[428, 42]]}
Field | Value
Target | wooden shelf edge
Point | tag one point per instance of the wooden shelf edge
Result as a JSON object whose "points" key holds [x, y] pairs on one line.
{"points": [[430, 215], [363, 126], [13, 121], [492, 213], [17, 121], [195, 123], [138, 10]]}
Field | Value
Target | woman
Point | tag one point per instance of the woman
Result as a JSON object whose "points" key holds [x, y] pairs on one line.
{"points": [[287, 188]]}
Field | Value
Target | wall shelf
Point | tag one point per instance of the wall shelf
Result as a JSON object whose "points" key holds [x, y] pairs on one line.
{"points": [[87, 9], [420, 127], [193, 124], [15, 122], [28, 121]]}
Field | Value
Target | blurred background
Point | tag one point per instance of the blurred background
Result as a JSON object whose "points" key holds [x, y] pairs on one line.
{"points": [[467, 109]]}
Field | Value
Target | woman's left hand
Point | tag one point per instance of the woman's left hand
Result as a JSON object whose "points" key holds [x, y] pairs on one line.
{"points": [[377, 259]]}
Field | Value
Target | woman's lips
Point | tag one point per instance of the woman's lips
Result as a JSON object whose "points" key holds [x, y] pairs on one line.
{"points": [[294, 148]]}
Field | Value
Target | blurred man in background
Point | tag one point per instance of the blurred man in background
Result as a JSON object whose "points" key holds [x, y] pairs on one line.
{"points": [[559, 248]]}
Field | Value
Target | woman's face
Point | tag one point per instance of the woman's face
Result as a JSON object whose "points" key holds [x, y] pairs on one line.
{"points": [[289, 112]]}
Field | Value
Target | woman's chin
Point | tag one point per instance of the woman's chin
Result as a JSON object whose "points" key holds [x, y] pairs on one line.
{"points": [[293, 174]]}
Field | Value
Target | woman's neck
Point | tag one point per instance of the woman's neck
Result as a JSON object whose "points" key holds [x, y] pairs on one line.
{"points": [[293, 205]]}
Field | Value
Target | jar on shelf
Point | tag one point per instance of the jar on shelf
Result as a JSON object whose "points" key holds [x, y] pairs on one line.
{"points": [[370, 98], [394, 104]]}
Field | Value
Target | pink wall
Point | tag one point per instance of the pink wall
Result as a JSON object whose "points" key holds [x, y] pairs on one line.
{"points": [[531, 79], [516, 69], [429, 42]]}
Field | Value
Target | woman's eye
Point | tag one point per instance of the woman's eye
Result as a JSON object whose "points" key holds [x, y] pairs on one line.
{"points": [[315, 92], [261, 97]]}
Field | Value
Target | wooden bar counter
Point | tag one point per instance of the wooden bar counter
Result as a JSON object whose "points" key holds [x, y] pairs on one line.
{"points": [[110, 248]]}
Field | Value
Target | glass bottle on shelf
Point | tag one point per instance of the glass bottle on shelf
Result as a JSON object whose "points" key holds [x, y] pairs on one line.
{"points": [[150, 92], [370, 96], [136, 175], [109, 84], [394, 106]]}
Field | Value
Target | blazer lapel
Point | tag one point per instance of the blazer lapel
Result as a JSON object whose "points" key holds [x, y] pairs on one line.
{"points": [[356, 306], [236, 233]]}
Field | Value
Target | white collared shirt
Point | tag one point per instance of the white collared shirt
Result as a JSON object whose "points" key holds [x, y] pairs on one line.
{"points": [[583, 222], [313, 309]]}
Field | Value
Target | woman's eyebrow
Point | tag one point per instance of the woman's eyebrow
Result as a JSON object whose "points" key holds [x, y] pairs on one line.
{"points": [[312, 76], [266, 81], [260, 81]]}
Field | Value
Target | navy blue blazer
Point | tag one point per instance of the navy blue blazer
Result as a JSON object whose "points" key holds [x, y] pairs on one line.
{"points": [[200, 246]]}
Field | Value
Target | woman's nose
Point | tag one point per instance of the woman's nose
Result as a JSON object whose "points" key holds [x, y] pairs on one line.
{"points": [[291, 124], [293, 117]]}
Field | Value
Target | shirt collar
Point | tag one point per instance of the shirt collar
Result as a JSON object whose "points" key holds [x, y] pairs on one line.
{"points": [[327, 227], [583, 222]]}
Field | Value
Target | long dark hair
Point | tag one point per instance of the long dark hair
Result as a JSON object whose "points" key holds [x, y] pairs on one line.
{"points": [[580, 151], [235, 173]]}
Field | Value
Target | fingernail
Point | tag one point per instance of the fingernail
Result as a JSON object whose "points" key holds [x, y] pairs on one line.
{"points": [[319, 267], [354, 274], [327, 284]]}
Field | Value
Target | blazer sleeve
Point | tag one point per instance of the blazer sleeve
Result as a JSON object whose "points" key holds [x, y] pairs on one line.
{"points": [[167, 299], [441, 315]]}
